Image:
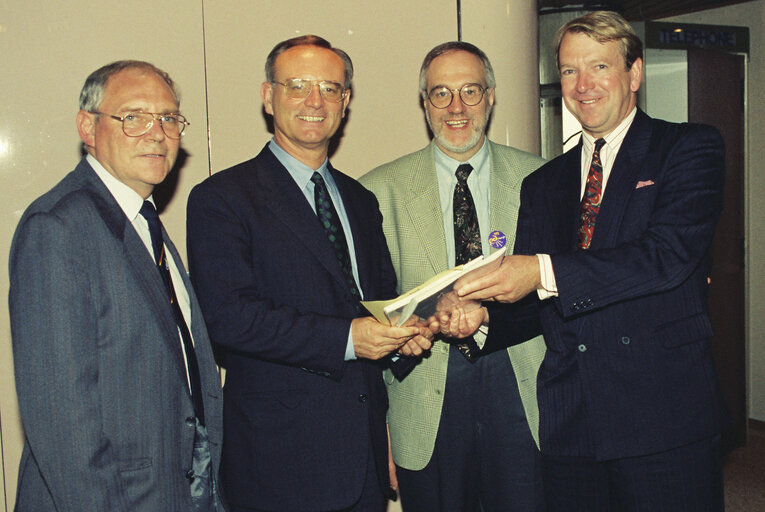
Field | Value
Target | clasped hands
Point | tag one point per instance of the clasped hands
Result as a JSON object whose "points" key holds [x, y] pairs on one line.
{"points": [[374, 340], [516, 277], [458, 315]]}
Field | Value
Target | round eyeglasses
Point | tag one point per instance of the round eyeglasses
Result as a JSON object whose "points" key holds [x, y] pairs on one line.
{"points": [[136, 124], [470, 94], [298, 89]]}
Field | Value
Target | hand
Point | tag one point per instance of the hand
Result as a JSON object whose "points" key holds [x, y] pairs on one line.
{"points": [[373, 340], [464, 320], [513, 280], [424, 340]]}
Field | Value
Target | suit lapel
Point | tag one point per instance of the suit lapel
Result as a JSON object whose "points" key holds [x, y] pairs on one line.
{"points": [[564, 199], [357, 214], [504, 185], [622, 180], [282, 196], [141, 263], [423, 205]]}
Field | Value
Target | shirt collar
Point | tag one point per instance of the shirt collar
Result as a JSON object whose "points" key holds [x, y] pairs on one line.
{"points": [[477, 161], [614, 138], [299, 171], [128, 199]]}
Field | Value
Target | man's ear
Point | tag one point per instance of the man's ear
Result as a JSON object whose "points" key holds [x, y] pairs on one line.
{"points": [[86, 127], [267, 94], [346, 100], [636, 74]]}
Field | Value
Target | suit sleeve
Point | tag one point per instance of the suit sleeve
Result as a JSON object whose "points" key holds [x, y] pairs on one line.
{"points": [[677, 235], [57, 369], [240, 311]]}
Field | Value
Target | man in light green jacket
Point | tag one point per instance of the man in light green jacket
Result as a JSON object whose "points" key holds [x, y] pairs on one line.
{"points": [[463, 428]]}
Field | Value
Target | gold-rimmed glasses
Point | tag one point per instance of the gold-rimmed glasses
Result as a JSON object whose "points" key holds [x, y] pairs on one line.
{"points": [[299, 88], [135, 124]]}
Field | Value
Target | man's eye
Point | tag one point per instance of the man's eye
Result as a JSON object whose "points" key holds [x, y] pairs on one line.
{"points": [[440, 93], [297, 86], [331, 88], [168, 119], [470, 91], [130, 118]]}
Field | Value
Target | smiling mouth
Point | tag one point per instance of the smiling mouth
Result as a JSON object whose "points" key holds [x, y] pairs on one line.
{"points": [[311, 119], [589, 102], [457, 124]]}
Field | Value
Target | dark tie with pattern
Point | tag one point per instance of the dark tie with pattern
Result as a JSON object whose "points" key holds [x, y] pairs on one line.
{"points": [[155, 229], [593, 194], [327, 214], [467, 240]]}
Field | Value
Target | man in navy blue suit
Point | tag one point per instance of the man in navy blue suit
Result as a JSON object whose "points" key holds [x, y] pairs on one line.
{"points": [[282, 247], [614, 237]]}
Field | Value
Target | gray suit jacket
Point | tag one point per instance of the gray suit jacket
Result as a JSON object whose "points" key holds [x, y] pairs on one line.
{"points": [[407, 190], [99, 367]]}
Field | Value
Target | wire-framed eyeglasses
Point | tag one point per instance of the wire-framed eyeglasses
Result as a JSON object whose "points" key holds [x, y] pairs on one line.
{"points": [[135, 124], [300, 88], [441, 96]]}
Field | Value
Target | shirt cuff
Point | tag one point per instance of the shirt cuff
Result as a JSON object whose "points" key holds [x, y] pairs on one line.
{"points": [[547, 276], [350, 352]]}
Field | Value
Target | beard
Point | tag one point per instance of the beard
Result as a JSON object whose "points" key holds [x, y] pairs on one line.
{"points": [[475, 136]]}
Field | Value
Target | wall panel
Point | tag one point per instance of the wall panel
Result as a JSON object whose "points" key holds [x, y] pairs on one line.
{"points": [[507, 32], [385, 40]]}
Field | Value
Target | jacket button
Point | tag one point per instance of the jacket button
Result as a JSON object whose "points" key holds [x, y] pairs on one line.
{"points": [[190, 421], [626, 340], [575, 306], [190, 474], [362, 398], [582, 348]]}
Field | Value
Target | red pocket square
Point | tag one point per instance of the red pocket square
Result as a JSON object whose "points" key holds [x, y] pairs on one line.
{"points": [[641, 184]]}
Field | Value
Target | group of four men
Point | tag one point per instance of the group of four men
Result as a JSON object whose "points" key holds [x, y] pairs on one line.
{"points": [[117, 383]]}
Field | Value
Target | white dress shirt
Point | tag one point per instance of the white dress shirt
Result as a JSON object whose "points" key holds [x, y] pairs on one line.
{"points": [[130, 203], [607, 157]]}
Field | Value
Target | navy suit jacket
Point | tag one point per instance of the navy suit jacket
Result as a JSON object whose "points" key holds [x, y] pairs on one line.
{"points": [[99, 365], [628, 369], [298, 418]]}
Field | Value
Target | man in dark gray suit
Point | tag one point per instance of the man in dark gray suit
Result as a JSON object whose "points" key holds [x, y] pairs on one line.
{"points": [[117, 385]]}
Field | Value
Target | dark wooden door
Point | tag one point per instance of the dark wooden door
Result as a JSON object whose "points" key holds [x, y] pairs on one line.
{"points": [[716, 97]]}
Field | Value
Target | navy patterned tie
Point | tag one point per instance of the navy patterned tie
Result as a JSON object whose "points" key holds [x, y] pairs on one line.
{"points": [[593, 194], [325, 211], [155, 230], [467, 240]]}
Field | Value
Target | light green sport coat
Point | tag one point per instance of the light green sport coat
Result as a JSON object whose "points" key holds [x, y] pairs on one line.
{"points": [[407, 189]]}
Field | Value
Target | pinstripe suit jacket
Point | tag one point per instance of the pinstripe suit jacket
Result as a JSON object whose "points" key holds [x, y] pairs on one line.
{"points": [[99, 366], [407, 190], [629, 370]]}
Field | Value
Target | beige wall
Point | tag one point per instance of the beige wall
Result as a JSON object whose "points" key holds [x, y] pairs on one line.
{"points": [[752, 15], [48, 48]]}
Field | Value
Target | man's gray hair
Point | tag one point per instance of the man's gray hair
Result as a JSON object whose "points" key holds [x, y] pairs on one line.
{"points": [[454, 46], [92, 93]]}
